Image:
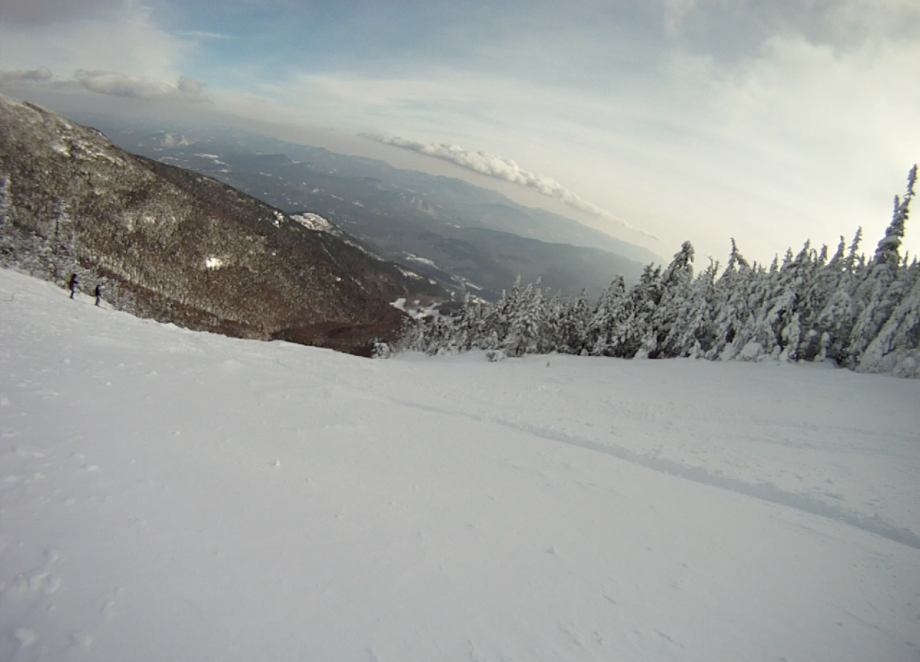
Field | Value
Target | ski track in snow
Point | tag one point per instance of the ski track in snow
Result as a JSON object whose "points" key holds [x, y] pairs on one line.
{"points": [[173, 495], [763, 491]]}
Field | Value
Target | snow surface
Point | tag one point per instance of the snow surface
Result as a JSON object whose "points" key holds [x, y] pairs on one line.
{"points": [[169, 495], [213, 263]]}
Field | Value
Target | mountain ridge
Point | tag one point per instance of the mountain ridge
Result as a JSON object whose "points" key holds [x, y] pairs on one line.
{"points": [[386, 207], [177, 246]]}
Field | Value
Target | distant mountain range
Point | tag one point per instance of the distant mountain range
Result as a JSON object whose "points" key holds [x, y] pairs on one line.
{"points": [[470, 238], [177, 246]]}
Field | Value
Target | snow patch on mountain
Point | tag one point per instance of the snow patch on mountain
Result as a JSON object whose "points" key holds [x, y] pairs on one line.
{"points": [[421, 260], [316, 222]]}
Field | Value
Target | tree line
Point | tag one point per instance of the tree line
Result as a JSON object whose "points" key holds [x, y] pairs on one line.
{"points": [[862, 313]]}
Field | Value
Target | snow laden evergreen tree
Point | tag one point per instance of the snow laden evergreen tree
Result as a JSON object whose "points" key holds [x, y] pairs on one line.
{"points": [[835, 321], [864, 315], [822, 291], [789, 314], [502, 315], [609, 316], [526, 319], [470, 327], [757, 338], [880, 291], [810, 300], [731, 312], [637, 333], [896, 348], [568, 321], [693, 333], [671, 319]]}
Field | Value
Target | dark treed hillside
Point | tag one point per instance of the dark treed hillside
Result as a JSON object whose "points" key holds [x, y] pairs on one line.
{"points": [[473, 239], [862, 313], [177, 246]]}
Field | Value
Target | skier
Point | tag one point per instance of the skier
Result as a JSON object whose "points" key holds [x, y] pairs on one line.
{"points": [[73, 284], [98, 294]]}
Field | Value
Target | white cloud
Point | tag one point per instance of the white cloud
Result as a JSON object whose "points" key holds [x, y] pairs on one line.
{"points": [[818, 139], [694, 119], [118, 36], [36, 12], [502, 168], [40, 75], [190, 86], [120, 85], [203, 35]]}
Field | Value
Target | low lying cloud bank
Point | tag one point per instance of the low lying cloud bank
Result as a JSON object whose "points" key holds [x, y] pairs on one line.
{"points": [[45, 12], [120, 85], [503, 168], [39, 75], [112, 83]]}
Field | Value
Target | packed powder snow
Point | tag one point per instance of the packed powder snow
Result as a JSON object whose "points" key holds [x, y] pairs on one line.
{"points": [[169, 495]]}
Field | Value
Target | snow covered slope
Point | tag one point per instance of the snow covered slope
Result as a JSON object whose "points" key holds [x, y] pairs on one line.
{"points": [[170, 495]]}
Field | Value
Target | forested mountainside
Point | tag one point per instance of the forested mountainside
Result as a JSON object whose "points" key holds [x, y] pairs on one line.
{"points": [[863, 313], [473, 239], [180, 247]]}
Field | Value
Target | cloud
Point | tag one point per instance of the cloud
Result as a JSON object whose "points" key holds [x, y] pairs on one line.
{"points": [[503, 168], [698, 119], [136, 87], [43, 12], [40, 75], [203, 35], [111, 83], [190, 86], [91, 35]]}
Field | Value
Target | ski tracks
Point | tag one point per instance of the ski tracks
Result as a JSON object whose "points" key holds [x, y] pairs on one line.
{"points": [[762, 491]]}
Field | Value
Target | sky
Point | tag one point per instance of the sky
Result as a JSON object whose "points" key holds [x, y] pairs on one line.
{"points": [[655, 121]]}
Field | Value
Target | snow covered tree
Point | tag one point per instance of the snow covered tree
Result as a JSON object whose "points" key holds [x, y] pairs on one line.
{"points": [[611, 312], [836, 318], [880, 291], [888, 248], [525, 321], [896, 348], [731, 312], [864, 315], [671, 318], [693, 331], [568, 324], [636, 336]]}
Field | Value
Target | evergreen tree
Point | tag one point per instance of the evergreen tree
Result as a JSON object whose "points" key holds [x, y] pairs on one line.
{"points": [[731, 312], [838, 314], [865, 315], [525, 321], [570, 321], [636, 336], [887, 251], [693, 332], [671, 317], [880, 291], [896, 348], [609, 315]]}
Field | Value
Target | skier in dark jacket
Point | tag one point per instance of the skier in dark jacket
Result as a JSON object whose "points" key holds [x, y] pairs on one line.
{"points": [[73, 284], [98, 294]]}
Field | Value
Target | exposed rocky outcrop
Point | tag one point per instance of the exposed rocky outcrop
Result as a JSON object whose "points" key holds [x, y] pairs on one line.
{"points": [[181, 247]]}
